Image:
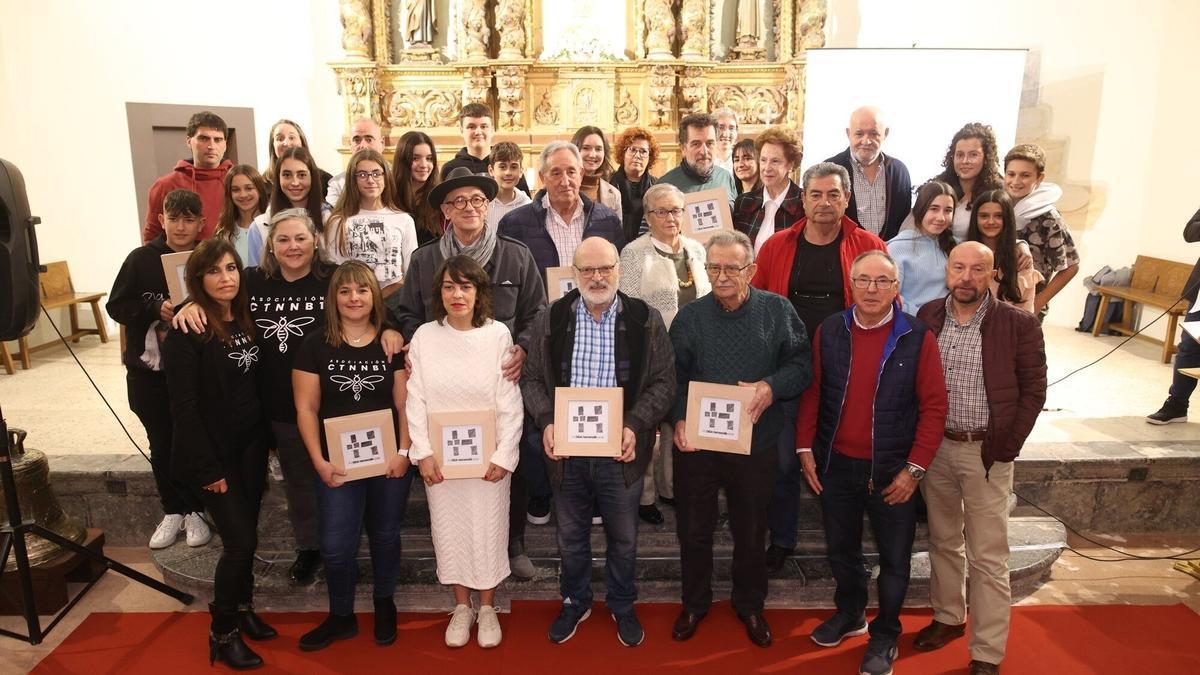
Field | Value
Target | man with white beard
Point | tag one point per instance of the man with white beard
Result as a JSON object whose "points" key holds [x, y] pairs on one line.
{"points": [[595, 336]]}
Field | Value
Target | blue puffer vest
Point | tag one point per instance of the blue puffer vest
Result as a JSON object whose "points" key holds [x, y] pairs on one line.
{"points": [[895, 412]]}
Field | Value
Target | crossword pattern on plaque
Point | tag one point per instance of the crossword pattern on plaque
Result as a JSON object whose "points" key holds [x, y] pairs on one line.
{"points": [[704, 216], [565, 285], [361, 447], [720, 418], [462, 445], [589, 422]]}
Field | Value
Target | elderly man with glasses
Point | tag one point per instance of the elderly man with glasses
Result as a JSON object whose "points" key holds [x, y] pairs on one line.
{"points": [[867, 431], [595, 336], [735, 335]]}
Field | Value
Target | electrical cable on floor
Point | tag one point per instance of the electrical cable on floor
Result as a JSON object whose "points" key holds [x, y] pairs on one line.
{"points": [[1120, 344]]}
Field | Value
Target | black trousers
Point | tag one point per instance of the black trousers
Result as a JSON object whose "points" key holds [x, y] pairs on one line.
{"points": [[748, 481], [235, 515], [149, 401]]}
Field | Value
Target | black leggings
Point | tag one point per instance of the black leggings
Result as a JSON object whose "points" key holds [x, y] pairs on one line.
{"points": [[235, 514]]}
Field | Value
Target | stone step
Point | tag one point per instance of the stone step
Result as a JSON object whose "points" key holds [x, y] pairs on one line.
{"points": [[804, 582]]}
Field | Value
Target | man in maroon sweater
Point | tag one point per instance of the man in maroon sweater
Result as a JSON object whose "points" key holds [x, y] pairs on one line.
{"points": [[867, 430]]}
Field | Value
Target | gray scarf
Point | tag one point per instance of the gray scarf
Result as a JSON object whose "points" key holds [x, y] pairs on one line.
{"points": [[480, 251]]}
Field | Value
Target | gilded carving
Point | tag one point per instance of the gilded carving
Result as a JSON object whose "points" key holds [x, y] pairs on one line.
{"points": [[355, 87], [476, 85], [408, 108], [510, 86], [662, 85], [754, 105], [356, 28], [545, 113], [693, 25], [626, 112], [810, 24], [475, 30], [510, 23], [692, 89], [585, 106], [660, 29], [793, 86]]}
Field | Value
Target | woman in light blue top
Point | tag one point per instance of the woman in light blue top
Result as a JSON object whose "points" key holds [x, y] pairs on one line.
{"points": [[921, 252]]}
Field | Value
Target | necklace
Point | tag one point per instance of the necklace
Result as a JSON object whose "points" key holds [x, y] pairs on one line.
{"points": [[356, 340], [687, 264]]}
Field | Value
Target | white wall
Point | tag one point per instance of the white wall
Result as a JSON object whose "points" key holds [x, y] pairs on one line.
{"points": [[1118, 82], [68, 68]]}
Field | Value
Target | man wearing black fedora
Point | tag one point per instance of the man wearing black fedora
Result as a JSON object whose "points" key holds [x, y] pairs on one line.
{"points": [[517, 296]]}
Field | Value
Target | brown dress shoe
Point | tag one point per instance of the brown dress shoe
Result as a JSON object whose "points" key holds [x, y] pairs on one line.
{"points": [[936, 635], [757, 629], [685, 626], [984, 668]]}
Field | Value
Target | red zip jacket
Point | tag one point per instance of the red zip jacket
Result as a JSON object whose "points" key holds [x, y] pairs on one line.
{"points": [[208, 183], [775, 259]]}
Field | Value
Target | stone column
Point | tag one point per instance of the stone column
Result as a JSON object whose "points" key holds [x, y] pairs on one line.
{"points": [[476, 34], [510, 90], [510, 23], [662, 86], [356, 29], [693, 27], [660, 29]]}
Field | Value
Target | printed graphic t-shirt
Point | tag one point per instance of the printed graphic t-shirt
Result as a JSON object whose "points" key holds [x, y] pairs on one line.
{"points": [[284, 312]]}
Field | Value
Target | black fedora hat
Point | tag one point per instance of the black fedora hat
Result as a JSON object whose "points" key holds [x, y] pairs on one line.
{"points": [[462, 177]]}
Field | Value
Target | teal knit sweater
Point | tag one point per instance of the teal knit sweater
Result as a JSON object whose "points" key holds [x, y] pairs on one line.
{"points": [[763, 339]]}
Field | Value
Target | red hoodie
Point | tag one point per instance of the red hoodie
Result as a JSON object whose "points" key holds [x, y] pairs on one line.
{"points": [[208, 183]]}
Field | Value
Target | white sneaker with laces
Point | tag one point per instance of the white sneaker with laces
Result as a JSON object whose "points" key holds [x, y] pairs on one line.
{"points": [[167, 531], [458, 633], [197, 530], [489, 628]]}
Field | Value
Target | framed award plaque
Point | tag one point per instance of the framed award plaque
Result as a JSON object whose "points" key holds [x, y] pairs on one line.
{"points": [[463, 442], [361, 444], [588, 421], [718, 417]]}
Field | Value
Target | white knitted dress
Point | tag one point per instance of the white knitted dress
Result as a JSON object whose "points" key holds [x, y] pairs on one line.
{"points": [[460, 370]]}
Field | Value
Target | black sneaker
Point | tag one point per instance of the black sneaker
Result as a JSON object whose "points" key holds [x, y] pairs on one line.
{"points": [[332, 629], [838, 628], [878, 659], [1168, 413], [629, 629], [538, 512], [650, 514], [304, 569], [569, 618]]}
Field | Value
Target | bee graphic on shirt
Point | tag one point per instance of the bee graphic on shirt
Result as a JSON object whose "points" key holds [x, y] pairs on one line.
{"points": [[283, 329], [245, 357], [356, 383]]}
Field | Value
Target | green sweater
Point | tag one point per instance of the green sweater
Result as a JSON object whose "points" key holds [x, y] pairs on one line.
{"points": [[761, 340], [687, 181]]}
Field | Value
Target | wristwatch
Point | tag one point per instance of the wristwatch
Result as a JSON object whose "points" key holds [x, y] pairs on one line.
{"points": [[916, 472]]}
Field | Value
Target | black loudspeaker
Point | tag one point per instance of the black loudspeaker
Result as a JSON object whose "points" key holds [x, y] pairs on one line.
{"points": [[19, 294]]}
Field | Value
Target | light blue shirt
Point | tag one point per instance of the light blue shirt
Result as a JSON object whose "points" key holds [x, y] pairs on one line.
{"points": [[922, 268], [594, 359]]}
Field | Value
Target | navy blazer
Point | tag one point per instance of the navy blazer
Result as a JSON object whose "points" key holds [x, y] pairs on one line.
{"points": [[527, 224]]}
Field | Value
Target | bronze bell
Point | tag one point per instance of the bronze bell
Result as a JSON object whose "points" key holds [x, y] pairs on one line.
{"points": [[31, 472]]}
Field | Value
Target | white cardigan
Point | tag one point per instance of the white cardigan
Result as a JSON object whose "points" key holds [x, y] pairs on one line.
{"points": [[651, 277]]}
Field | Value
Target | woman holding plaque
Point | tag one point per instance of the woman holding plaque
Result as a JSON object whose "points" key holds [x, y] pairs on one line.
{"points": [[220, 439], [666, 270], [343, 370], [456, 368]]}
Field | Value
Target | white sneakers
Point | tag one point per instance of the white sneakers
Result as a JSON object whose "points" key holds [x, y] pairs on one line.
{"points": [[489, 628], [458, 633], [167, 531], [197, 531]]}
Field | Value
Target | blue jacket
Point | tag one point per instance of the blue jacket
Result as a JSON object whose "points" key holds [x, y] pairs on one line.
{"points": [[527, 225], [896, 405]]}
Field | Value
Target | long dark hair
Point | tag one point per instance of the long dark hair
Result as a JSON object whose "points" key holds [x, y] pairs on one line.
{"points": [[1005, 250], [606, 166], [925, 196], [314, 202], [206, 255], [463, 269], [228, 222], [414, 202], [350, 201], [989, 174]]}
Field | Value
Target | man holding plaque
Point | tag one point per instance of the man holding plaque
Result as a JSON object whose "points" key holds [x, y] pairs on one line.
{"points": [[868, 428], [596, 337], [735, 335]]}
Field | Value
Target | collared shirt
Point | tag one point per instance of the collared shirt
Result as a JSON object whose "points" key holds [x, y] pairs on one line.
{"points": [[871, 198], [594, 359], [962, 364], [770, 208], [858, 322], [566, 235]]}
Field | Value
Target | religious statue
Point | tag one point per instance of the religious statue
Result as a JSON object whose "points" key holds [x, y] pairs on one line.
{"points": [[749, 22], [692, 18], [810, 24], [545, 112], [356, 28], [510, 23], [660, 29], [420, 22], [476, 31], [626, 112]]}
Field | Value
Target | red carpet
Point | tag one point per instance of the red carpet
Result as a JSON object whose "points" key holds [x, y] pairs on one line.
{"points": [[1045, 639]]}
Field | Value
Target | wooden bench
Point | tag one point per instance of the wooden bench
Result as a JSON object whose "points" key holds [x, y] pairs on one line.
{"points": [[1156, 283], [57, 290]]}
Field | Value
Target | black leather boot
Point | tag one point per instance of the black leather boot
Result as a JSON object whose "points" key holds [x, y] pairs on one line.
{"points": [[252, 625], [229, 649], [304, 569], [333, 628], [385, 621]]}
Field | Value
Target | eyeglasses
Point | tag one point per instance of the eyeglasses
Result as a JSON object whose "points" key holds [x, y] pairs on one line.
{"points": [[663, 213], [460, 203], [730, 271], [882, 283], [604, 271], [637, 152], [365, 175]]}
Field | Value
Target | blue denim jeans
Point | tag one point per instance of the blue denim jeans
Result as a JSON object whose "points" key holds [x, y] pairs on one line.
{"points": [[783, 514], [843, 500], [1188, 356], [588, 480], [378, 503]]}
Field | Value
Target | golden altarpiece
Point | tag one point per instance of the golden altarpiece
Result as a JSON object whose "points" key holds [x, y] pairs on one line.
{"points": [[547, 67]]}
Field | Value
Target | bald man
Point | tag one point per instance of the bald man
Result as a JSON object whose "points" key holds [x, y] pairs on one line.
{"points": [[364, 134], [880, 187], [994, 362], [596, 336]]}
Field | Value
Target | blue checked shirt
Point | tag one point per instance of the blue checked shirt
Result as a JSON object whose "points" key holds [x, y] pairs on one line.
{"points": [[594, 360]]}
